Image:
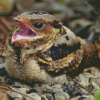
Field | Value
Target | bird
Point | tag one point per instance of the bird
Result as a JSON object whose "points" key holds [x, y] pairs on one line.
{"points": [[42, 49]]}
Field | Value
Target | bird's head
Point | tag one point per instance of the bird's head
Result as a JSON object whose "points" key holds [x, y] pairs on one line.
{"points": [[37, 25]]}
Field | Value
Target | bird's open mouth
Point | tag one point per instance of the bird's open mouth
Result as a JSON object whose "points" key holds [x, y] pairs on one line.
{"points": [[24, 33]]}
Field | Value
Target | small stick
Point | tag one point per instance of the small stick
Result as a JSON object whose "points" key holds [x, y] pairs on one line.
{"points": [[80, 85], [6, 23]]}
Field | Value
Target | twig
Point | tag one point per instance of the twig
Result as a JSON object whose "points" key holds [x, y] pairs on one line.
{"points": [[96, 12], [6, 23], [80, 85], [8, 88]]}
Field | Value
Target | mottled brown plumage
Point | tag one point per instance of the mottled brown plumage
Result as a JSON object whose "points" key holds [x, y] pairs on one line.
{"points": [[44, 50]]}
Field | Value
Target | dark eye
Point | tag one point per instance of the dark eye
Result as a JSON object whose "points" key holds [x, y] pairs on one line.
{"points": [[38, 25]]}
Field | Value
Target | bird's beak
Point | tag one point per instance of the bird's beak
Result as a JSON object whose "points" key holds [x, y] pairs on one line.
{"points": [[16, 18]]}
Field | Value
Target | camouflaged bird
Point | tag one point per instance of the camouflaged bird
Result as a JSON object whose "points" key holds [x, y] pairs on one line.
{"points": [[43, 49]]}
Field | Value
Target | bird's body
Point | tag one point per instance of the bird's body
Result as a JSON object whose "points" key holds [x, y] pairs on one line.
{"points": [[44, 50]]}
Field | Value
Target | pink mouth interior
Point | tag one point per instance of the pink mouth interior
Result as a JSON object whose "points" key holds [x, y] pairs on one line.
{"points": [[24, 33]]}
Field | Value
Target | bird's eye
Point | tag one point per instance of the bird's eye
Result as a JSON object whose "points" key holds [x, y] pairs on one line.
{"points": [[38, 25]]}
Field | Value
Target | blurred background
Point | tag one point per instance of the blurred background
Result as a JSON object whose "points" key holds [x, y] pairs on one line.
{"points": [[75, 14]]}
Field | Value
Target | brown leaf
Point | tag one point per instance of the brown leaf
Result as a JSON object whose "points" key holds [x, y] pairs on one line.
{"points": [[39, 90], [4, 96]]}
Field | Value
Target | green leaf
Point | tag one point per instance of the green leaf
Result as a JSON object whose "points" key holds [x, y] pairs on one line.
{"points": [[97, 96]]}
